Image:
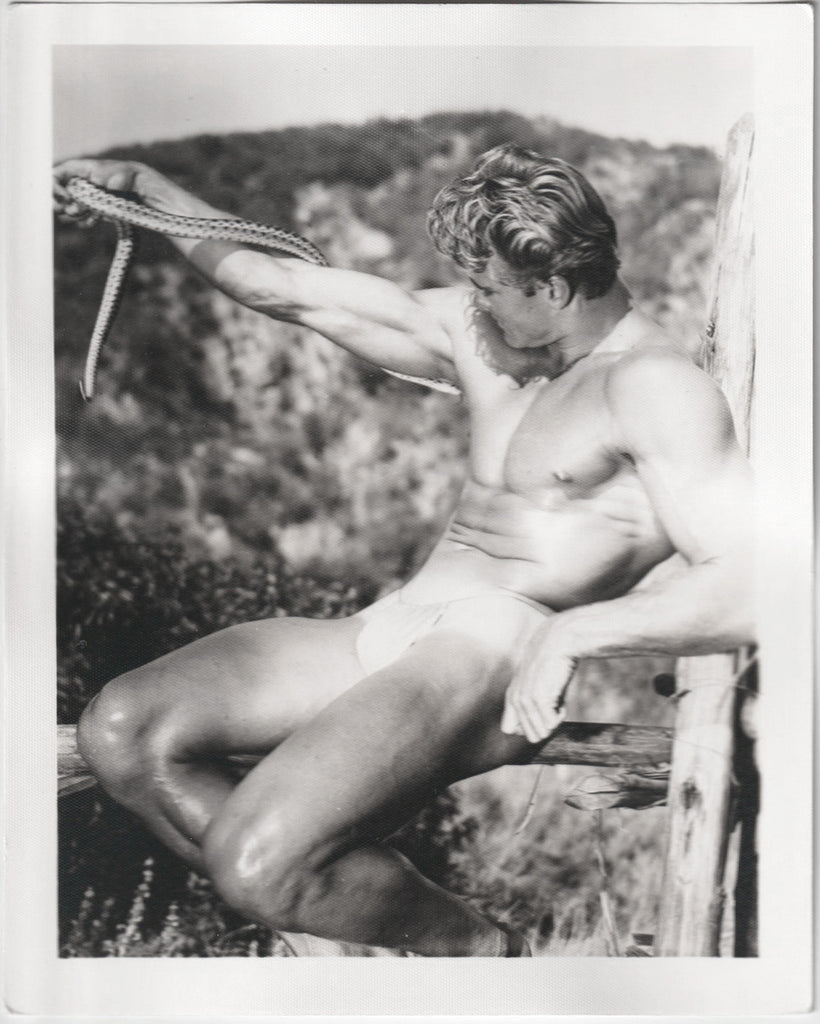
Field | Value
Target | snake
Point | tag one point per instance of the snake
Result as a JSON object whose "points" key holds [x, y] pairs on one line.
{"points": [[127, 214]]}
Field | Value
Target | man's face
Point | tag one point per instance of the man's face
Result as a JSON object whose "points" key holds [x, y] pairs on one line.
{"points": [[525, 321]]}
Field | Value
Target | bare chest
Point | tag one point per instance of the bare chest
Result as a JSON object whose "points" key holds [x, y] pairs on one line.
{"points": [[548, 441]]}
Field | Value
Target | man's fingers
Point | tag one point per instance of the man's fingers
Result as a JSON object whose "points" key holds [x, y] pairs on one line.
{"points": [[118, 175], [542, 725], [62, 200], [106, 173], [67, 208], [532, 719], [70, 212], [521, 717], [554, 721], [73, 169], [531, 716], [514, 721], [509, 721], [534, 704]]}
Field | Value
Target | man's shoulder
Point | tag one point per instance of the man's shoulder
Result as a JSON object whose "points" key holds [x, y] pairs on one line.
{"points": [[657, 391], [655, 367]]}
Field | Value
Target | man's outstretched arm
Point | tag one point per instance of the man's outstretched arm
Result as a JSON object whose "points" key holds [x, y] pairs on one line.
{"points": [[367, 315], [673, 423]]}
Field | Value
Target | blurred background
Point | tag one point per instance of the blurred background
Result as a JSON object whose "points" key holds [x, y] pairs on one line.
{"points": [[231, 467]]}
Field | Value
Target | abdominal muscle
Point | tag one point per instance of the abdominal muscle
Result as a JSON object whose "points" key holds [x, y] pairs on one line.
{"points": [[573, 553]]}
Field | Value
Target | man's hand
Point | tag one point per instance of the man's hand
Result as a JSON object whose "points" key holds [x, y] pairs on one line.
{"points": [[148, 185], [534, 704], [117, 175]]}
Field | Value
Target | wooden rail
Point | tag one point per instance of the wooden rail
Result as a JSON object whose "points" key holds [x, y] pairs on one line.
{"points": [[582, 743]]}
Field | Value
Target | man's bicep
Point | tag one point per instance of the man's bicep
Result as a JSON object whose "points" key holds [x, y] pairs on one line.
{"points": [[705, 508], [371, 317], [678, 430]]}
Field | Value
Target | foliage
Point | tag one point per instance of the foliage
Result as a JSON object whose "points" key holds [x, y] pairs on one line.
{"points": [[124, 600], [194, 924]]}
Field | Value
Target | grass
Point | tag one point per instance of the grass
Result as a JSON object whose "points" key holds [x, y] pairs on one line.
{"points": [[548, 877], [192, 925], [546, 880]]}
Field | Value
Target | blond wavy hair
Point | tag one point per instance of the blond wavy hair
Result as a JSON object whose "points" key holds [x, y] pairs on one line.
{"points": [[539, 214]]}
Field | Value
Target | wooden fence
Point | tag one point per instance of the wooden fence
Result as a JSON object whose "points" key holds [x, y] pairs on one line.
{"points": [[703, 769], [713, 781], [638, 747]]}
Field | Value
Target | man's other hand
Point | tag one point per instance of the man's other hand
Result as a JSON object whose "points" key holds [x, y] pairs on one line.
{"points": [[534, 703]]}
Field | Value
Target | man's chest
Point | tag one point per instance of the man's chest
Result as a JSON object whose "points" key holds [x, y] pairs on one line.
{"points": [[550, 438]]}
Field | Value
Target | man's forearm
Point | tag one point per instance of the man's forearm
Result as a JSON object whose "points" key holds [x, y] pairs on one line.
{"points": [[159, 192], [222, 263], [703, 609]]}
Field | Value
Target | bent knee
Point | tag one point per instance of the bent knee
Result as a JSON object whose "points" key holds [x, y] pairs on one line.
{"points": [[115, 735], [263, 872]]}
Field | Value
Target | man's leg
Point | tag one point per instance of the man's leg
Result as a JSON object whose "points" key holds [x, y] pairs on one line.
{"points": [[298, 843], [157, 737]]}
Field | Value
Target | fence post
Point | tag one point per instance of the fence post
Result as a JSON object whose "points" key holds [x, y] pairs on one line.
{"points": [[702, 785]]}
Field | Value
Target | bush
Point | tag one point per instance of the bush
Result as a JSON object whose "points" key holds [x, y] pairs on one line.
{"points": [[194, 923], [124, 600]]}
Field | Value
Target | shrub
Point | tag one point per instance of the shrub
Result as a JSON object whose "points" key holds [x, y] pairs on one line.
{"points": [[124, 600], [194, 924]]}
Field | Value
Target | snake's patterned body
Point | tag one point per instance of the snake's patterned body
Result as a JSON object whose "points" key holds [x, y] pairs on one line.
{"points": [[126, 214]]}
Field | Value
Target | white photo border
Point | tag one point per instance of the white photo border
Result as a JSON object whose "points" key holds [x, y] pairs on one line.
{"points": [[36, 980]]}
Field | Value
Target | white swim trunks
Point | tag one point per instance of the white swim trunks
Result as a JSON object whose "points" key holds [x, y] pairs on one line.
{"points": [[393, 624]]}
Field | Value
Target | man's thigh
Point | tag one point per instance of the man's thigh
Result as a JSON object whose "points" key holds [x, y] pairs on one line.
{"points": [[383, 748], [245, 688]]}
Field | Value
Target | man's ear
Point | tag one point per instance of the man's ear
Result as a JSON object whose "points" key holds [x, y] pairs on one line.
{"points": [[559, 293]]}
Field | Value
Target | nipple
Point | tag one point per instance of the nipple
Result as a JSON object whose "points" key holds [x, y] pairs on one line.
{"points": [[562, 476]]}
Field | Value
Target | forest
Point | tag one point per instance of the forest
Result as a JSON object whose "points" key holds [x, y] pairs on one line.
{"points": [[231, 468]]}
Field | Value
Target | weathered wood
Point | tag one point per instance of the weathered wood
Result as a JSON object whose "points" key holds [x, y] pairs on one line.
{"points": [[746, 813], [73, 775], [582, 743], [745, 890], [607, 745], [699, 799], [700, 786], [636, 789], [728, 344]]}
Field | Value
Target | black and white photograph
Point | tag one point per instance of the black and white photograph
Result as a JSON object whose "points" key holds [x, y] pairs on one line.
{"points": [[407, 533]]}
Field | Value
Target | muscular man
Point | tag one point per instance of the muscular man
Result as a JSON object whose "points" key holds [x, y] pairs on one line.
{"points": [[598, 449]]}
